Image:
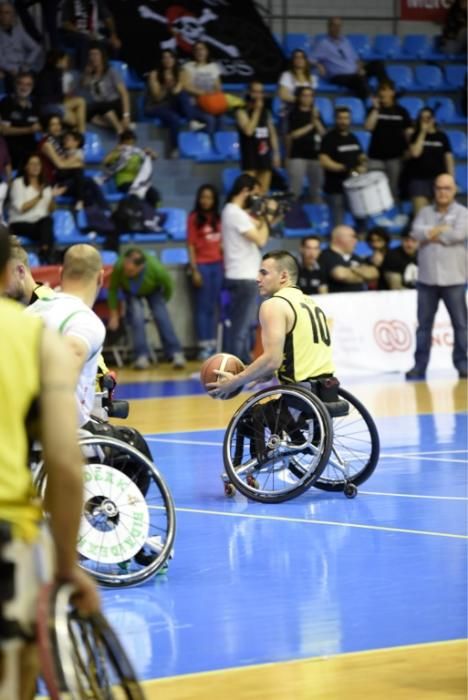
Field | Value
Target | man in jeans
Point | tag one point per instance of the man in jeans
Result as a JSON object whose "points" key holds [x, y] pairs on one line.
{"points": [[442, 232], [141, 276]]}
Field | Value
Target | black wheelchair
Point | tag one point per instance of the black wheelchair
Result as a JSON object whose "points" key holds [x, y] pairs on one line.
{"points": [[285, 439]]}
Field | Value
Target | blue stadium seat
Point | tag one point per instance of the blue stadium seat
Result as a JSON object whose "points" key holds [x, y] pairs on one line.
{"points": [[412, 104], [228, 177], [140, 111], [93, 148], [355, 106], [428, 78], [66, 231], [109, 257], [319, 217], [33, 259], [360, 43], [297, 40], [457, 141], [445, 110], [127, 75], [227, 144], [362, 249], [455, 75], [174, 256], [276, 107], [176, 222], [401, 75], [325, 107], [363, 137], [386, 46], [461, 178], [325, 86], [415, 46], [197, 146]]}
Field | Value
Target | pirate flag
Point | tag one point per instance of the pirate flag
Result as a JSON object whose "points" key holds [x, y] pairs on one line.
{"points": [[234, 32]]}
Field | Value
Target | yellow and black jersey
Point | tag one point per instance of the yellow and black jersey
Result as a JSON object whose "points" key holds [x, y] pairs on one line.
{"points": [[19, 390], [307, 352]]}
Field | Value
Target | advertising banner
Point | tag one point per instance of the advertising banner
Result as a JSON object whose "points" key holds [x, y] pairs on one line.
{"points": [[424, 10]]}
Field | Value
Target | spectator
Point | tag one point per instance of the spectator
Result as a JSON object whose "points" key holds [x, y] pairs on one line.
{"points": [[48, 20], [378, 240], [200, 77], [206, 266], [141, 276], [243, 237], [338, 62], [108, 100], [31, 203], [454, 31], [163, 98], [20, 120], [85, 24], [343, 270], [131, 167], [258, 140], [310, 280], [341, 155], [391, 128], [18, 52], [298, 74], [441, 230], [400, 266], [304, 138], [5, 176], [53, 91], [430, 156]]}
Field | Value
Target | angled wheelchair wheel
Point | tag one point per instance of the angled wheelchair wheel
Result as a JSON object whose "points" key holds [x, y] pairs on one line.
{"points": [[355, 451], [277, 444], [81, 657]]}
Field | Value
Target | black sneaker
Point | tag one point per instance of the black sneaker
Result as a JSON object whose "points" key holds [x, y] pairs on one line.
{"points": [[414, 374]]}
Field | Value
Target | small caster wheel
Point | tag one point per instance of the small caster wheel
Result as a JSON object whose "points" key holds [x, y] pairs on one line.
{"points": [[252, 482], [229, 490], [350, 491]]}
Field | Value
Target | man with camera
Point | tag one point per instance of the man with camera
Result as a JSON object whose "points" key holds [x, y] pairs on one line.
{"points": [[245, 229]]}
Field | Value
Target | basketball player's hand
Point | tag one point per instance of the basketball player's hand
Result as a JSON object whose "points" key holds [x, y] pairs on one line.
{"points": [[226, 384], [86, 597]]}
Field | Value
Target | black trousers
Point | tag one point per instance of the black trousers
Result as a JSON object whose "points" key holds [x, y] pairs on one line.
{"points": [[359, 83]]}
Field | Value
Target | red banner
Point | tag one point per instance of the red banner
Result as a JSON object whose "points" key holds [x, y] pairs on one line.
{"points": [[424, 10]]}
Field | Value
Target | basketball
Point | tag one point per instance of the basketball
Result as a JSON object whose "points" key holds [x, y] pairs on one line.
{"points": [[224, 362]]}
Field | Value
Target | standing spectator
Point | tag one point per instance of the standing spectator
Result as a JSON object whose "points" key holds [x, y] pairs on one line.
{"points": [[18, 52], [206, 266], [200, 77], [340, 156], [304, 139], [310, 280], [400, 266], [378, 240], [442, 232], [343, 270], [298, 74], [19, 120], [259, 146], [163, 98], [338, 62], [141, 276], [390, 126], [454, 31], [108, 100], [85, 23], [53, 91], [243, 237], [31, 203]]}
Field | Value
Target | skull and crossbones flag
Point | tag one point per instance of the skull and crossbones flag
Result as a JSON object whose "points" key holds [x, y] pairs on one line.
{"points": [[235, 33]]}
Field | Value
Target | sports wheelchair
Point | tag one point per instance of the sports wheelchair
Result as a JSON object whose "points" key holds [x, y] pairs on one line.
{"points": [[287, 438], [127, 528]]}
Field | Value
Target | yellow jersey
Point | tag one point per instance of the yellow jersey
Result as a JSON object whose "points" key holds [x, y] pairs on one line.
{"points": [[307, 352], [19, 388]]}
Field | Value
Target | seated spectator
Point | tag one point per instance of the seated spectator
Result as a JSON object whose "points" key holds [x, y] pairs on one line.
{"points": [[131, 167], [19, 120], [141, 276], [338, 62], [200, 77], [108, 101], [310, 280], [299, 74], [341, 155], [206, 266], [5, 176], [400, 265], [18, 52], [53, 91], [258, 139], [391, 128], [85, 24], [304, 138], [31, 203], [430, 155], [343, 270], [378, 239], [454, 31]]}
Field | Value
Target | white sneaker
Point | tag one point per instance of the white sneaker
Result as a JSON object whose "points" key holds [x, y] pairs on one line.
{"points": [[178, 360], [194, 125], [142, 362]]}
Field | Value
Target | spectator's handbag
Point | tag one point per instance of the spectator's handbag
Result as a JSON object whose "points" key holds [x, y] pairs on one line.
{"points": [[219, 102], [135, 215]]}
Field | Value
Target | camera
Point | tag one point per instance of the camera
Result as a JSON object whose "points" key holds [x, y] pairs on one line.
{"points": [[258, 205]]}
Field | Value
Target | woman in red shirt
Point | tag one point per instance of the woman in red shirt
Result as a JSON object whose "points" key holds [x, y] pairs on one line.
{"points": [[206, 265]]}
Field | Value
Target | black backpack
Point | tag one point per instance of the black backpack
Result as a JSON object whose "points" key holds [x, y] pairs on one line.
{"points": [[135, 215]]}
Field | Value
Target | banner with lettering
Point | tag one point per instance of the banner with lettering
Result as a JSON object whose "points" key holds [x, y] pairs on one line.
{"points": [[424, 10], [235, 33]]}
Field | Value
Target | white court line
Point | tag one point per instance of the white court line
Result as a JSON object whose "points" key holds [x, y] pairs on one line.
{"points": [[280, 518], [405, 455], [185, 442], [412, 495]]}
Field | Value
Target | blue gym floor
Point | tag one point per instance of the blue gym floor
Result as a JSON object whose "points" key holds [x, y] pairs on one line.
{"points": [[316, 576]]}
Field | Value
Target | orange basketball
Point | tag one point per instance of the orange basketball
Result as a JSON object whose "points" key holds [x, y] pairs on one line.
{"points": [[224, 362], [213, 103]]}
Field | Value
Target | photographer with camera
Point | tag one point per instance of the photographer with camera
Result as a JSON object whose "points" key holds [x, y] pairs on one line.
{"points": [[258, 139], [245, 228]]}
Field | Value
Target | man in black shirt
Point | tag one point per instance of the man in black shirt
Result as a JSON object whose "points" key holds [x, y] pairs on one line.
{"points": [[19, 120], [400, 265], [310, 280], [340, 156], [343, 271]]}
